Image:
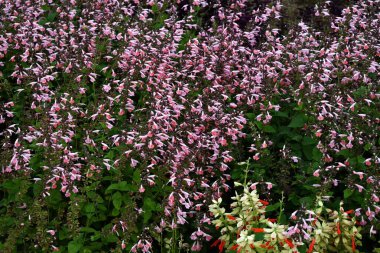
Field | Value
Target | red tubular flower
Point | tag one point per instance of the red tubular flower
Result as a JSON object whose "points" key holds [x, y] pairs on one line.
{"points": [[353, 244], [215, 243], [258, 230], [265, 203], [221, 246], [266, 245], [234, 247], [311, 247], [338, 227], [230, 217], [289, 242]]}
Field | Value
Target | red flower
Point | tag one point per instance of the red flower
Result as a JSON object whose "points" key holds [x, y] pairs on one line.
{"points": [[311, 247], [230, 217], [289, 242], [221, 246], [338, 227], [215, 243], [234, 247], [258, 230]]}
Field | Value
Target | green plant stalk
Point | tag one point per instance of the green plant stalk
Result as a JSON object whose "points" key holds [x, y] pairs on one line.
{"points": [[281, 207], [246, 172]]}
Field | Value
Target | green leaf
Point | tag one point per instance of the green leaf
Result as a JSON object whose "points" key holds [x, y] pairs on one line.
{"points": [[74, 246], [259, 124], [367, 146], [307, 201], [88, 230], [347, 193], [269, 129], [281, 114], [250, 116], [110, 155], [111, 238], [45, 7], [62, 234], [89, 208], [308, 141], [115, 212], [345, 153], [55, 198], [52, 16], [295, 137], [117, 200], [96, 236], [298, 121], [236, 174], [317, 155], [155, 8], [148, 207], [137, 176], [272, 207], [302, 248], [121, 186]]}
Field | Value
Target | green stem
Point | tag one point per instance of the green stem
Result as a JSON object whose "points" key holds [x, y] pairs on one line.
{"points": [[281, 207], [161, 241], [246, 173]]}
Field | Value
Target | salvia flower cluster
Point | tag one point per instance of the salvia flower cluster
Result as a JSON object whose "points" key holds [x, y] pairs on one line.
{"points": [[247, 229]]}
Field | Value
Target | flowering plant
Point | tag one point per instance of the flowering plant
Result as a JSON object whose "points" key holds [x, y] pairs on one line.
{"points": [[247, 229]]}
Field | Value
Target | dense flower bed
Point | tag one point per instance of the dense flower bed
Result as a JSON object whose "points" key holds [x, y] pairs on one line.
{"points": [[122, 121]]}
